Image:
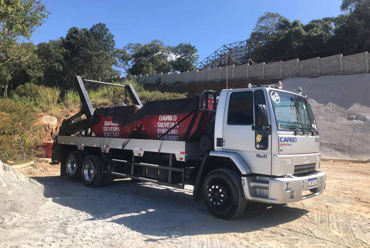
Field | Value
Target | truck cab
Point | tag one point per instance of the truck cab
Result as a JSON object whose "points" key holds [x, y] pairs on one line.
{"points": [[272, 136]]}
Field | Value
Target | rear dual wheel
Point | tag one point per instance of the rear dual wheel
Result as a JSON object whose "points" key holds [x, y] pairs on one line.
{"points": [[92, 171], [74, 164], [223, 194]]}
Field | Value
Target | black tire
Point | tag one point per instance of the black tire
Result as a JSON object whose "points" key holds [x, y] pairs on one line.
{"points": [[223, 194], [74, 163], [92, 171]]}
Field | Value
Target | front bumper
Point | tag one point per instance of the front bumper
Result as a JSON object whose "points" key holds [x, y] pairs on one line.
{"points": [[282, 190]]}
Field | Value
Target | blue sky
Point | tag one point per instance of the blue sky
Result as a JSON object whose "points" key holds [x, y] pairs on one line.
{"points": [[206, 24]]}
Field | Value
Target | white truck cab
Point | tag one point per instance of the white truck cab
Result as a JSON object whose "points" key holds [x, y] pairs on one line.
{"points": [[273, 137]]}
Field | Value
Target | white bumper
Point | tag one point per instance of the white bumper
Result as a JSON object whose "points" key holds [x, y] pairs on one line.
{"points": [[282, 190]]}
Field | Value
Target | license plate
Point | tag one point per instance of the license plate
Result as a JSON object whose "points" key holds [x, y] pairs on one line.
{"points": [[312, 182]]}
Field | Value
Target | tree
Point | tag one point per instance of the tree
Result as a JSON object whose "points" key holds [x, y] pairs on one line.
{"points": [[24, 60], [123, 60], [276, 38], [18, 18], [51, 56], [89, 52], [353, 27], [184, 57], [150, 58], [101, 52]]}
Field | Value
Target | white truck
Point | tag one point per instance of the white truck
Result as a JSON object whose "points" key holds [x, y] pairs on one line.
{"points": [[262, 145]]}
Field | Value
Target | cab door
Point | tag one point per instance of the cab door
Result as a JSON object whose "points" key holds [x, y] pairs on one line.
{"points": [[240, 133]]}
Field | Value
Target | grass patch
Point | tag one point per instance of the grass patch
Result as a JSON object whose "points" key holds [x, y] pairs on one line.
{"points": [[19, 131]]}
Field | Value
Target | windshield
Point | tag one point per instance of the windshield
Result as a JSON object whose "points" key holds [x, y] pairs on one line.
{"points": [[292, 112]]}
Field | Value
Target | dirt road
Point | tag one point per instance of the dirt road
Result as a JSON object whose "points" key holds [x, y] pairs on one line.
{"points": [[128, 214]]}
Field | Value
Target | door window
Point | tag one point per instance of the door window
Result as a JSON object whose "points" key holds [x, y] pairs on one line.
{"points": [[240, 109], [261, 135]]}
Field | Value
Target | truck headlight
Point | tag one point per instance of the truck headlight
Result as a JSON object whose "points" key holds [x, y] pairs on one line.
{"points": [[285, 161]]}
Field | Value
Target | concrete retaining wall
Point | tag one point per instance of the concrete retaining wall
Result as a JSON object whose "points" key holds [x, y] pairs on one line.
{"points": [[309, 67], [256, 70], [214, 74], [290, 68], [274, 70], [333, 65], [351, 63]]}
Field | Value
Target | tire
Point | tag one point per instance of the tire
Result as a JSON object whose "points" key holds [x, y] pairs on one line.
{"points": [[92, 171], [74, 163], [223, 194]]}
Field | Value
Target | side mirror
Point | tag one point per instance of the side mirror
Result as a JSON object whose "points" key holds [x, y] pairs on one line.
{"points": [[261, 116]]}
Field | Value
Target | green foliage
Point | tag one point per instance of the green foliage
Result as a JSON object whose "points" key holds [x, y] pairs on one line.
{"points": [[146, 96], [89, 53], [19, 132], [51, 59], [38, 96], [107, 96], [185, 57], [150, 58], [18, 19], [155, 57], [71, 99], [276, 38]]}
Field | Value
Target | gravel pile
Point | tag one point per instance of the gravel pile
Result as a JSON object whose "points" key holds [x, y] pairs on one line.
{"points": [[18, 193]]}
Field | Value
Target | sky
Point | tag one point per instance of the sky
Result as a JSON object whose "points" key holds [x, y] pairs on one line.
{"points": [[206, 24]]}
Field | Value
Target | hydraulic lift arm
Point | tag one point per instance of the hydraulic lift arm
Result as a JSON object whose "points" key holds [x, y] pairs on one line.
{"points": [[70, 127]]}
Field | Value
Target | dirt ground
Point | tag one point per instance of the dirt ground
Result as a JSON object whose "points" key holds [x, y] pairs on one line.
{"points": [[128, 214]]}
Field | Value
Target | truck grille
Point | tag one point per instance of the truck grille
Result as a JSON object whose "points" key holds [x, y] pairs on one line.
{"points": [[304, 168]]}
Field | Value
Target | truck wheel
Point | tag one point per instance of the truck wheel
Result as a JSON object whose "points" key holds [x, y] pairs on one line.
{"points": [[74, 164], [223, 194], [92, 171]]}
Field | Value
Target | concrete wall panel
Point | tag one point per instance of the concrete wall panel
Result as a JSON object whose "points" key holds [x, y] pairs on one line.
{"points": [[150, 79], [273, 70], [214, 74], [192, 76], [241, 71], [223, 72], [290, 68], [354, 63], [331, 65], [183, 77], [309, 67], [165, 78], [173, 78], [256, 70], [203, 76]]}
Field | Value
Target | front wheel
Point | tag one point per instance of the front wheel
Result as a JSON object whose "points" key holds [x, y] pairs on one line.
{"points": [[223, 194], [92, 171]]}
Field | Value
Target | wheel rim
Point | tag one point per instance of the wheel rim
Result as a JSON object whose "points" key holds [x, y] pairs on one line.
{"points": [[219, 195], [89, 171], [71, 166]]}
